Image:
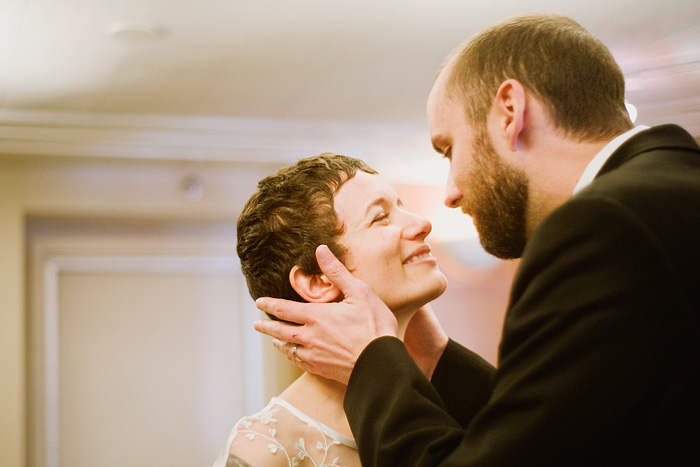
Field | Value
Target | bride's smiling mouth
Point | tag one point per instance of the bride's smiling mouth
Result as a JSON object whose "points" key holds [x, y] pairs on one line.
{"points": [[420, 254]]}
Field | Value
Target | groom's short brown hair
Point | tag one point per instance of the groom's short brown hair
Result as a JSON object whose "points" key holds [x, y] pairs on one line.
{"points": [[570, 70]]}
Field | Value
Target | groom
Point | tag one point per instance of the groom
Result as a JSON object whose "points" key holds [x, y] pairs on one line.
{"points": [[599, 361]]}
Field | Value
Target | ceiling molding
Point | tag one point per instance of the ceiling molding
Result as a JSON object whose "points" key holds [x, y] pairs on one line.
{"points": [[386, 147], [201, 138]]}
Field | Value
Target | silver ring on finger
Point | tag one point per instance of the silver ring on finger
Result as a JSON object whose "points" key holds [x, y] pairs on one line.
{"points": [[294, 352]]}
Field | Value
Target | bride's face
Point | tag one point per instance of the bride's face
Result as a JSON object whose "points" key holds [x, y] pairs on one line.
{"points": [[386, 245]]}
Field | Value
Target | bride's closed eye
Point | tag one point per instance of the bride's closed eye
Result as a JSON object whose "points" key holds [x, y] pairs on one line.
{"points": [[381, 217]]}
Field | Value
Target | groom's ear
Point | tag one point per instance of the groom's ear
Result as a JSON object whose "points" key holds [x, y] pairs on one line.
{"points": [[314, 288]]}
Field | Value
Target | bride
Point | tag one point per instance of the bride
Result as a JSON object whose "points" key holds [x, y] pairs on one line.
{"points": [[343, 203]]}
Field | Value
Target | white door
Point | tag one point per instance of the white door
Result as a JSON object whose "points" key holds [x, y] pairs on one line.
{"points": [[143, 352]]}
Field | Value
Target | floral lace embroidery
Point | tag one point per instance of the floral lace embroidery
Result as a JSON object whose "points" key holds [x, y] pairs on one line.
{"points": [[266, 417]]}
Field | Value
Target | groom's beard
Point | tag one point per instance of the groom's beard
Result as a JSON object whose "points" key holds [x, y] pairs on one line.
{"points": [[498, 197]]}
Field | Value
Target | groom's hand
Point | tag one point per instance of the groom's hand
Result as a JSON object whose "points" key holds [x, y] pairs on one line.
{"points": [[328, 337]]}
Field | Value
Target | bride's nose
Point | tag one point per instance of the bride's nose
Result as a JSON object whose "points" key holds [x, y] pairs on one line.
{"points": [[418, 227]]}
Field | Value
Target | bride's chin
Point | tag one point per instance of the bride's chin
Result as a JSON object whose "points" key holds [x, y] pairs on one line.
{"points": [[408, 309], [438, 287]]}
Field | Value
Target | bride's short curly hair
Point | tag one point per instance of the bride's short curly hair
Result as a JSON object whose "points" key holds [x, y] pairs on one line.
{"points": [[290, 215]]}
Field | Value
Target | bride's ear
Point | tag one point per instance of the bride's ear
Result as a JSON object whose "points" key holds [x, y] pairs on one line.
{"points": [[313, 287]]}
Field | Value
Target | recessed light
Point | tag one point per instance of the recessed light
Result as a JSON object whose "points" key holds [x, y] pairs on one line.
{"points": [[133, 31]]}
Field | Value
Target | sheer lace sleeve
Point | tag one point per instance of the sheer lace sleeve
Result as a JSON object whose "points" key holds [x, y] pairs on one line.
{"points": [[280, 435]]}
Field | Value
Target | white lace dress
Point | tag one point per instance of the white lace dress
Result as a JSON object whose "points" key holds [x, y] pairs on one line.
{"points": [[282, 435]]}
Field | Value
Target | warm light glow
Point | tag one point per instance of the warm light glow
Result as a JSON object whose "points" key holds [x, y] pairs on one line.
{"points": [[452, 224], [454, 231]]}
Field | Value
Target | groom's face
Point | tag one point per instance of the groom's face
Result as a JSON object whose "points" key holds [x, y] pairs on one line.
{"points": [[480, 182]]}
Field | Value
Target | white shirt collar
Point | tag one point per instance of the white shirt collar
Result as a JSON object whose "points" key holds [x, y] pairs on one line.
{"points": [[597, 162]]}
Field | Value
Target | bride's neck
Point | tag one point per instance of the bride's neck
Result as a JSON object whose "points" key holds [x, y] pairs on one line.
{"points": [[328, 389], [319, 398], [402, 320]]}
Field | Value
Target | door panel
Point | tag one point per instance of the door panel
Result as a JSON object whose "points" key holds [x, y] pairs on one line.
{"points": [[143, 351], [148, 363]]}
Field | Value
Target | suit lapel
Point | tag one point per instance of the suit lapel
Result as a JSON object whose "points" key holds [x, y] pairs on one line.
{"points": [[658, 137]]}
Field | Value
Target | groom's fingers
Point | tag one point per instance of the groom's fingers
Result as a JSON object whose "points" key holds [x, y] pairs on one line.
{"points": [[283, 332], [285, 310], [336, 271]]}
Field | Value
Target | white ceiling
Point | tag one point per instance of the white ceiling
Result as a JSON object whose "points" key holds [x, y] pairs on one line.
{"points": [[354, 73]]}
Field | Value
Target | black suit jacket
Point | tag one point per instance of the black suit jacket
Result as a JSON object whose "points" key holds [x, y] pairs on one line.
{"points": [[599, 360]]}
